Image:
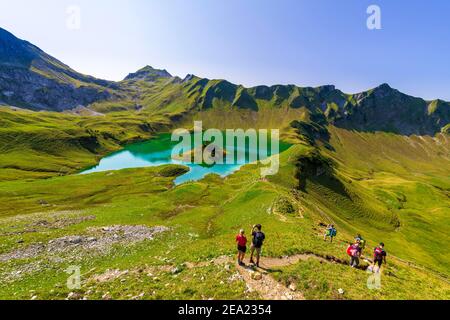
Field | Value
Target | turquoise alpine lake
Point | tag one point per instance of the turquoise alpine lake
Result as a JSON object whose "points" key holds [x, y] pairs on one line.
{"points": [[158, 151]]}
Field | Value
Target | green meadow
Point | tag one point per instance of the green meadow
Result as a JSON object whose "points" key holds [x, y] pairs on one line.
{"points": [[386, 187]]}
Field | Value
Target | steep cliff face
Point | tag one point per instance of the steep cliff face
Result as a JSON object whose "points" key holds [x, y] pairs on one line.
{"points": [[32, 79]]}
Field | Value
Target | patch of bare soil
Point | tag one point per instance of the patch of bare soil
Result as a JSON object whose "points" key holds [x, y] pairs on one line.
{"points": [[267, 287], [268, 263]]}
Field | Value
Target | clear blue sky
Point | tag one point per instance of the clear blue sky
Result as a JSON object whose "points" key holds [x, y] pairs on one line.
{"points": [[250, 42]]}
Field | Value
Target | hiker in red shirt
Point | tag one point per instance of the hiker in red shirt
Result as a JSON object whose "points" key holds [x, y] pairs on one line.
{"points": [[354, 251], [241, 241]]}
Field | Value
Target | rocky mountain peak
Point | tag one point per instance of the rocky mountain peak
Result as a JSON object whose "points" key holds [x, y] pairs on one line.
{"points": [[148, 73]]}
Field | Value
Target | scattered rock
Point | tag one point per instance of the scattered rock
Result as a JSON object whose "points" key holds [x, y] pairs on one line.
{"points": [[106, 296], [257, 276], [293, 287], [109, 275], [109, 236], [175, 270], [289, 297], [235, 277], [74, 296], [43, 202], [75, 240]]}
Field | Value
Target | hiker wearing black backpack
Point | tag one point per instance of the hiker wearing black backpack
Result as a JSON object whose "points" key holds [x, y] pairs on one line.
{"points": [[257, 243], [379, 256]]}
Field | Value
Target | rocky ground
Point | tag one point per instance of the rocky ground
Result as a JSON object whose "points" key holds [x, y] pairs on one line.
{"points": [[96, 241]]}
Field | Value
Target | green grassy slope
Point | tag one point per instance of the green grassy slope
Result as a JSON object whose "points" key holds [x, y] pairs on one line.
{"points": [[387, 187], [45, 144], [204, 217], [393, 189]]}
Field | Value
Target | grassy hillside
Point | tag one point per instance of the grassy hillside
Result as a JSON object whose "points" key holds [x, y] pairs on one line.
{"points": [[193, 259], [45, 144], [398, 191], [375, 163], [387, 187], [380, 109]]}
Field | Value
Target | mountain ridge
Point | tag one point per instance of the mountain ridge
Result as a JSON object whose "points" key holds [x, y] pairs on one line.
{"points": [[148, 73], [32, 79]]}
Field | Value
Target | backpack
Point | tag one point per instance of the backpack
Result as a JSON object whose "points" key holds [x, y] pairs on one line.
{"points": [[356, 251], [258, 239], [333, 232], [362, 243], [350, 250], [378, 253]]}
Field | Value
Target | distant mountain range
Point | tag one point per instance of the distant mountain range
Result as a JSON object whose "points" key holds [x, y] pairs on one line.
{"points": [[32, 79]]}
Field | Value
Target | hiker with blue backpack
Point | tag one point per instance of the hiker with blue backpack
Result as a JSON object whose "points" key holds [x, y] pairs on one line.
{"points": [[257, 243], [331, 232]]}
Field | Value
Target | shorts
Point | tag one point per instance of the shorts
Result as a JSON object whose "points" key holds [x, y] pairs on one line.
{"points": [[242, 249], [258, 250], [379, 262]]}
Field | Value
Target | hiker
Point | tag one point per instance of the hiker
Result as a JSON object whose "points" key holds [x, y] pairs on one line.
{"points": [[331, 232], [241, 241], [354, 251], [362, 242], [379, 256], [257, 243]]}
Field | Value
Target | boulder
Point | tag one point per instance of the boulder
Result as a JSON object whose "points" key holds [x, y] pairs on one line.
{"points": [[257, 276]]}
